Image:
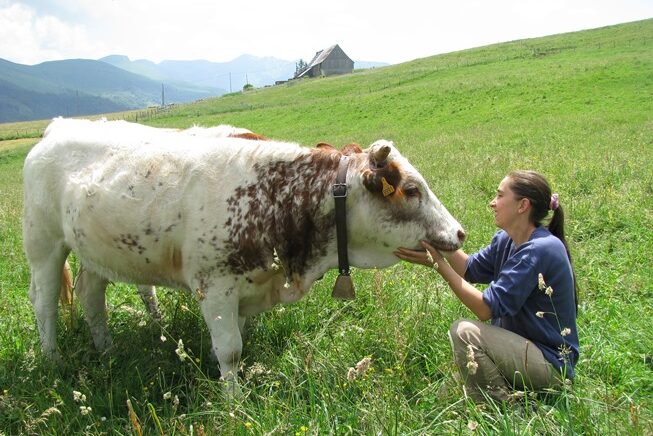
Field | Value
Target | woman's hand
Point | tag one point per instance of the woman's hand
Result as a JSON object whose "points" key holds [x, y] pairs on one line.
{"points": [[429, 256]]}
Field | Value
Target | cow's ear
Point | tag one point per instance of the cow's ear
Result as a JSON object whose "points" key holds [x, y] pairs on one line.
{"points": [[379, 156], [384, 181], [326, 147], [350, 149]]}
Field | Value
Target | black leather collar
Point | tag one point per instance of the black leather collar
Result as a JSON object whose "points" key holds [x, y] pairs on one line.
{"points": [[343, 288]]}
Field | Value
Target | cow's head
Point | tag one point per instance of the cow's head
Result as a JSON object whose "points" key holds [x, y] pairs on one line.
{"points": [[391, 206]]}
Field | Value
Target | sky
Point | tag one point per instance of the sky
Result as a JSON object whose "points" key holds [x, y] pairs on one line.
{"points": [[34, 31]]}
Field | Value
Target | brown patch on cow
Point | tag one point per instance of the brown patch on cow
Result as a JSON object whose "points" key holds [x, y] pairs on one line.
{"points": [[130, 242], [280, 211], [250, 135], [350, 149]]}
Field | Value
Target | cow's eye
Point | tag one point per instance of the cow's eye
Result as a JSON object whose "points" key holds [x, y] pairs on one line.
{"points": [[411, 191]]}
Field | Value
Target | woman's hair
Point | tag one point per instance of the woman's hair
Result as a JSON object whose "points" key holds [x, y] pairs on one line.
{"points": [[532, 185]]}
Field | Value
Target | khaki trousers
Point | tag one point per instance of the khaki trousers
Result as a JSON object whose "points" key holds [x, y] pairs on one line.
{"points": [[498, 361]]}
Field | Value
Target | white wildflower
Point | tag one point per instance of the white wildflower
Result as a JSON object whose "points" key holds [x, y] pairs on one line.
{"points": [[180, 351], [564, 351], [142, 323], [540, 282], [163, 338], [257, 369], [276, 262], [79, 397], [361, 368], [472, 425], [363, 365], [472, 366], [565, 331], [548, 291], [175, 401], [286, 285], [539, 314], [85, 410], [429, 257], [167, 395], [516, 395]]}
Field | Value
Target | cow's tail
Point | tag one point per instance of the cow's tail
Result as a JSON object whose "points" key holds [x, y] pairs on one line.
{"points": [[66, 294]]}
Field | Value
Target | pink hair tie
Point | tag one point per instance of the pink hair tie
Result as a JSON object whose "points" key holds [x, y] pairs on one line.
{"points": [[554, 202]]}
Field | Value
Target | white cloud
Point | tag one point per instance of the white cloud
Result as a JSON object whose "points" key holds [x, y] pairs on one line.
{"points": [[29, 38]]}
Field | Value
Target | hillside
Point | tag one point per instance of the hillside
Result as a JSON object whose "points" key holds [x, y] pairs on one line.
{"points": [[81, 87], [580, 74]]}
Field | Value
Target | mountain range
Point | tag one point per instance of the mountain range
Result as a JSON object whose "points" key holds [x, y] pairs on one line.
{"points": [[114, 83]]}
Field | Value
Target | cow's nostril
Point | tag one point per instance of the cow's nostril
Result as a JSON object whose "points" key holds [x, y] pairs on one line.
{"points": [[461, 236]]}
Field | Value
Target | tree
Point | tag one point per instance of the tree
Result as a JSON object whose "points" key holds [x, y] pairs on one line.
{"points": [[300, 66]]}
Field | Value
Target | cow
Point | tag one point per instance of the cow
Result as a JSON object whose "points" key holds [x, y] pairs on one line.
{"points": [[243, 224]]}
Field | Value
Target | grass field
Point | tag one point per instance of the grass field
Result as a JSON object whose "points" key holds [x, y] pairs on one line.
{"points": [[577, 107]]}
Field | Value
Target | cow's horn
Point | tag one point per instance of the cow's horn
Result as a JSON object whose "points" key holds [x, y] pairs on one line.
{"points": [[344, 288], [381, 155]]}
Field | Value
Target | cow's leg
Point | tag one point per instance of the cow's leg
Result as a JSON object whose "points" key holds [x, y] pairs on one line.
{"points": [[148, 295], [90, 289], [220, 310], [45, 284], [243, 323]]}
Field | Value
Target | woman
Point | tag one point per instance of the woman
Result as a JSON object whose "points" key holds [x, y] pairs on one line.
{"points": [[532, 342]]}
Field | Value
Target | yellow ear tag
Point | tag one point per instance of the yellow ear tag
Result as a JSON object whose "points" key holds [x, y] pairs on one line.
{"points": [[387, 187]]}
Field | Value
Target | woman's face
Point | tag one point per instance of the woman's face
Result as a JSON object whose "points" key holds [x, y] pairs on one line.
{"points": [[505, 205]]}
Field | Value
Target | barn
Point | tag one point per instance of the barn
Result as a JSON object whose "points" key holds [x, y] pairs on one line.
{"points": [[328, 62]]}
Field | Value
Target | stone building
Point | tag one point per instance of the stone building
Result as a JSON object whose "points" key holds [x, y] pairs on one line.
{"points": [[328, 62]]}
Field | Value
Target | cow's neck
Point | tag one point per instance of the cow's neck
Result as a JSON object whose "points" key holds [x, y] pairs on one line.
{"points": [[288, 209]]}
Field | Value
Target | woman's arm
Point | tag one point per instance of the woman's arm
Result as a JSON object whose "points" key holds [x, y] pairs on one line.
{"points": [[468, 294], [452, 274], [458, 261]]}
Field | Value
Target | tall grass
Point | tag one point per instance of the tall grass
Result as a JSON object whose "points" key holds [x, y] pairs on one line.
{"points": [[577, 107]]}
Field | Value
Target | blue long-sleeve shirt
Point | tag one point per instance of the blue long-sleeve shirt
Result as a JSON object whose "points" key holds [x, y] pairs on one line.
{"points": [[515, 298]]}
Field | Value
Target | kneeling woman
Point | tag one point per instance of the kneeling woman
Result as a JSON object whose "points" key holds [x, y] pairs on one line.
{"points": [[532, 342]]}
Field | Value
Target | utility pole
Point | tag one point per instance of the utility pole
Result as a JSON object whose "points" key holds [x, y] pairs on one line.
{"points": [[163, 97]]}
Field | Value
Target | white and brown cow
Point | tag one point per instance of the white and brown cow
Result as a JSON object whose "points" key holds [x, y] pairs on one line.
{"points": [[208, 214]]}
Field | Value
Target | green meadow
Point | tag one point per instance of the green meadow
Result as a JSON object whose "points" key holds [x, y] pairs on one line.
{"points": [[577, 107]]}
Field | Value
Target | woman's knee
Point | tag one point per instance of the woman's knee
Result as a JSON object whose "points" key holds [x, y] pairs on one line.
{"points": [[464, 331]]}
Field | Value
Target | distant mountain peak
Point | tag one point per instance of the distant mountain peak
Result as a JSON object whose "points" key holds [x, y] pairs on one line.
{"points": [[115, 57]]}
